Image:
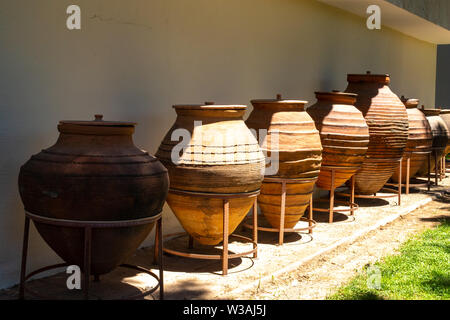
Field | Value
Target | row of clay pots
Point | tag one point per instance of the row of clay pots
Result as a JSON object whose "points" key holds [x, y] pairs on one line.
{"points": [[94, 172], [366, 127]]}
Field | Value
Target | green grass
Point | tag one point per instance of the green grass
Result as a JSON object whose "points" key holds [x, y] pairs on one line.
{"points": [[420, 271]]}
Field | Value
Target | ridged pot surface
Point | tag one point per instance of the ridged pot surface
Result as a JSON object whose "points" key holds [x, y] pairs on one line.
{"points": [[219, 155], [420, 140], [293, 139], [344, 135], [387, 119], [441, 136], [445, 114], [94, 172]]}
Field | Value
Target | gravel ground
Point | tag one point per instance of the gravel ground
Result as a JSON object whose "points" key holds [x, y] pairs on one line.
{"points": [[305, 267]]}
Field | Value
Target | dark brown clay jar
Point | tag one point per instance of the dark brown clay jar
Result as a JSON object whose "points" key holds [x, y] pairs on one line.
{"points": [[221, 156], [387, 119], [441, 136], [94, 172], [445, 115], [299, 152], [344, 135], [420, 140]]}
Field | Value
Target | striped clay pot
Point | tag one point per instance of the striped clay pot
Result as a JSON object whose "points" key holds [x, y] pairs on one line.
{"points": [[293, 139], [387, 119], [420, 140], [344, 135], [219, 156], [440, 134]]}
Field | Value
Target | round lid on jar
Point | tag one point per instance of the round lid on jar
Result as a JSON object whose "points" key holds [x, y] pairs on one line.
{"points": [[410, 103], [209, 105], [368, 77], [430, 112], [337, 96], [96, 126], [278, 100]]}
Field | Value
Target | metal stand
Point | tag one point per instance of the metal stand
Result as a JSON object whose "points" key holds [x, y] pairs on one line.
{"points": [[437, 170], [88, 226], [225, 256], [395, 193], [282, 230], [351, 204], [442, 167], [408, 183]]}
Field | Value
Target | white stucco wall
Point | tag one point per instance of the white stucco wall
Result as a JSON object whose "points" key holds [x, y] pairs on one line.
{"points": [[134, 59]]}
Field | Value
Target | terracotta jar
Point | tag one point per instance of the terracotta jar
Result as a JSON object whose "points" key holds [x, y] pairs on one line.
{"points": [[288, 134], [445, 114], [387, 119], [94, 172], [441, 136], [218, 155], [344, 135], [420, 140]]}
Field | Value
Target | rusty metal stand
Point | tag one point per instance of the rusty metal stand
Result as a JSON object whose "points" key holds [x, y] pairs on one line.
{"points": [[351, 204], [88, 226], [282, 230], [408, 183], [437, 172], [442, 167], [225, 256], [394, 193]]}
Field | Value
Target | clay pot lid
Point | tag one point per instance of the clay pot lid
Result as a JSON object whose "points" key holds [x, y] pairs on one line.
{"points": [[369, 77], [279, 100], [430, 112], [209, 106], [410, 103], [98, 122]]}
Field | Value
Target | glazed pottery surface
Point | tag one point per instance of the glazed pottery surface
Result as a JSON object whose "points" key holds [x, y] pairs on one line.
{"points": [[344, 135], [94, 172], [419, 143], [210, 150], [387, 119], [288, 136]]}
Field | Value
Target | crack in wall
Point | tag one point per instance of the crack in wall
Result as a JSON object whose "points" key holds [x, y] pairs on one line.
{"points": [[113, 20]]}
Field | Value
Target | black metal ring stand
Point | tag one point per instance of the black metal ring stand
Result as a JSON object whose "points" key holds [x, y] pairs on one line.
{"points": [[225, 256], [282, 229], [394, 193], [351, 204], [88, 226]]}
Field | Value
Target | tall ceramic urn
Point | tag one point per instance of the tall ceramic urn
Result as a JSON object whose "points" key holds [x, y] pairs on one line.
{"points": [[209, 151], [94, 172], [344, 135], [445, 114], [290, 139], [387, 119], [419, 142], [440, 134]]}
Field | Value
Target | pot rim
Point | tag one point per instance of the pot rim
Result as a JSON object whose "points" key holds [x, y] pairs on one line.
{"points": [[410, 102], [431, 112], [369, 77], [275, 101], [336, 93], [98, 122], [207, 106]]}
